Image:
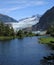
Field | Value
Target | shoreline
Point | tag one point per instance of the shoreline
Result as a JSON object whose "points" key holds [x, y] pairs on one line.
{"points": [[48, 40]]}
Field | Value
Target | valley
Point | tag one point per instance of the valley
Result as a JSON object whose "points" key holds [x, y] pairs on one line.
{"points": [[28, 41]]}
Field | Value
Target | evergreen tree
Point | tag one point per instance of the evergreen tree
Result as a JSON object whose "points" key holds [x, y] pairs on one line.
{"points": [[51, 30], [2, 28], [6, 30], [12, 32], [20, 34]]}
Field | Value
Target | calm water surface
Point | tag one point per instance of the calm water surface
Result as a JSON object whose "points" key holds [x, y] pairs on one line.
{"points": [[27, 51]]}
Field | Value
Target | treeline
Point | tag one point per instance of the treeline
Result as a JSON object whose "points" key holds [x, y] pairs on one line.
{"points": [[51, 30], [22, 34], [7, 30]]}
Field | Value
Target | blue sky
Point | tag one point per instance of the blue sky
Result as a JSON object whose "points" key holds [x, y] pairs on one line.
{"points": [[19, 9]]}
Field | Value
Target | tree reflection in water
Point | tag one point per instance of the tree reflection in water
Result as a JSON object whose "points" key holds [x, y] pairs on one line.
{"points": [[49, 60]]}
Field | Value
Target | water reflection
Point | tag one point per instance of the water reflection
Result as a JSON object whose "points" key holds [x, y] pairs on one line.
{"points": [[48, 60], [26, 51]]}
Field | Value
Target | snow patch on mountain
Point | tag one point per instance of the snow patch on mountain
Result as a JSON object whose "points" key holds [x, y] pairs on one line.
{"points": [[27, 22], [24, 23]]}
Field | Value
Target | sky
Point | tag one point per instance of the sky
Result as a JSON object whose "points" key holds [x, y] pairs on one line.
{"points": [[19, 9]]}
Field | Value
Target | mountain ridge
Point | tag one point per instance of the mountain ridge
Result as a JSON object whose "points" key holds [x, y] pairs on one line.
{"points": [[46, 20], [6, 18], [29, 22]]}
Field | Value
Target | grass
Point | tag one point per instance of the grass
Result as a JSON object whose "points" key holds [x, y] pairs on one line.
{"points": [[12, 37], [46, 40], [49, 41], [6, 37]]}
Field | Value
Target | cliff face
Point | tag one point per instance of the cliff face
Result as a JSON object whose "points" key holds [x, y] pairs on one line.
{"points": [[46, 20]]}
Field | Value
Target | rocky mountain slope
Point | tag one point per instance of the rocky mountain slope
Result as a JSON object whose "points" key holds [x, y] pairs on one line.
{"points": [[5, 18], [25, 23], [46, 20]]}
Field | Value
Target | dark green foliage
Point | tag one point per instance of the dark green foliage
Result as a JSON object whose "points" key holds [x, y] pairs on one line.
{"points": [[5, 30], [37, 34], [30, 34], [51, 30], [12, 32], [2, 29], [20, 34], [26, 33]]}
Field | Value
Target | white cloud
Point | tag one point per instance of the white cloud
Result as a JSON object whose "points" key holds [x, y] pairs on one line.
{"points": [[21, 4], [15, 2], [40, 3]]}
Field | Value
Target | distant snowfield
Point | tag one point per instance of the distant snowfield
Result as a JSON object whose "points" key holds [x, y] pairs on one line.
{"points": [[24, 23]]}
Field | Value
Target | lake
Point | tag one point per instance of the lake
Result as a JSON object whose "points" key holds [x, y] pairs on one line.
{"points": [[27, 51]]}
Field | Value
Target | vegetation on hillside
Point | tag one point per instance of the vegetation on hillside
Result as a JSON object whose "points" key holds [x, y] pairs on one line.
{"points": [[22, 34], [48, 40], [51, 30], [7, 32]]}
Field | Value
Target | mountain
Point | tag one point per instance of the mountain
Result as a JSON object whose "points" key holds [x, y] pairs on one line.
{"points": [[6, 19], [46, 20], [25, 23], [28, 22]]}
